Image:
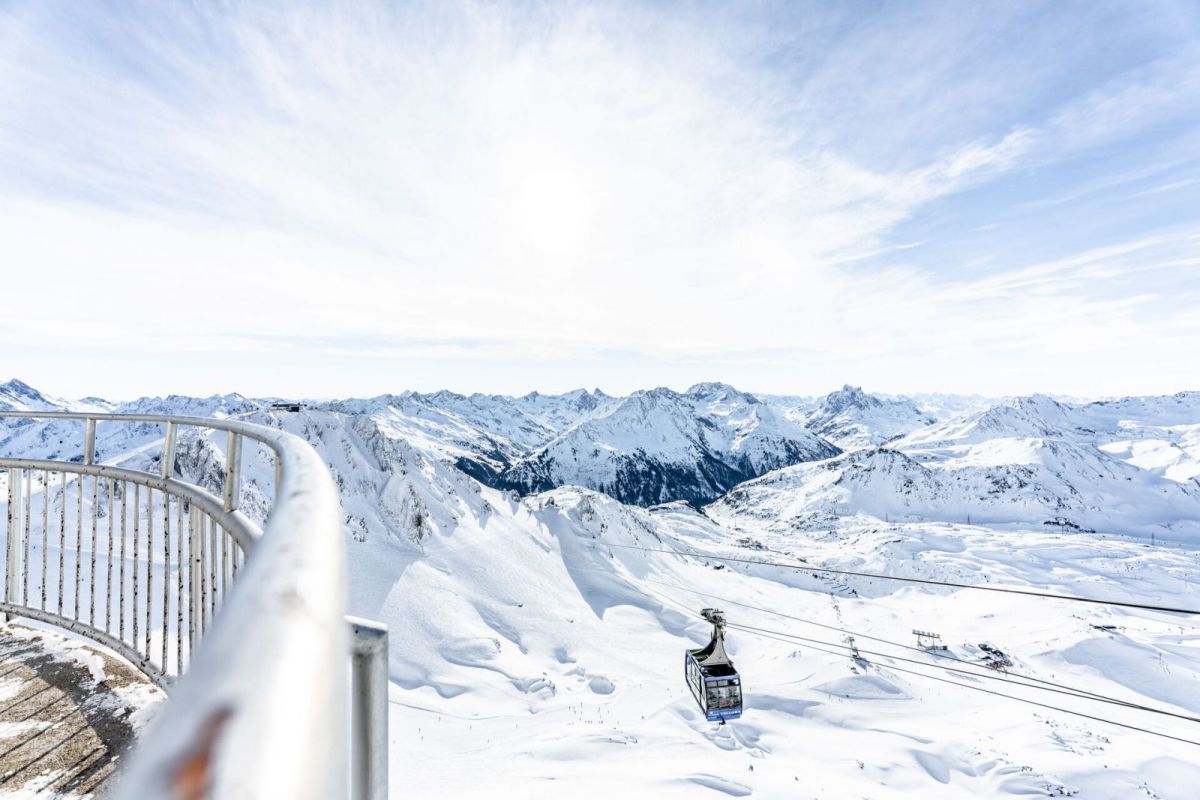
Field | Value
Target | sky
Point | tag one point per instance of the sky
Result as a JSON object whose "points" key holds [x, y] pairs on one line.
{"points": [[344, 199]]}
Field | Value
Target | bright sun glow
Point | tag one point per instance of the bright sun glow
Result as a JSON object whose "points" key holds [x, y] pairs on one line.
{"points": [[551, 213]]}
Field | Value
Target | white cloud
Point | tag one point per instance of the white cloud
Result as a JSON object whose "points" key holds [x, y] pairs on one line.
{"points": [[458, 184]]}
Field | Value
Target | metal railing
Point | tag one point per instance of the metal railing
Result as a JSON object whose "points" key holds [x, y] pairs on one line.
{"points": [[244, 627]]}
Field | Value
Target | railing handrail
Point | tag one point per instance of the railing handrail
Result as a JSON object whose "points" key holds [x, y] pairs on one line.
{"points": [[259, 710], [241, 527], [273, 437]]}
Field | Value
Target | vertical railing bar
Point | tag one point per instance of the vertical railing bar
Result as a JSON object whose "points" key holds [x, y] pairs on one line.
{"points": [[108, 555], [224, 569], [95, 522], [125, 536], [193, 579], [168, 454], [218, 590], [124, 539], [214, 567], [62, 547], [45, 533], [89, 441], [203, 575], [179, 504], [166, 592], [28, 536], [233, 472], [78, 546], [14, 526], [368, 710], [133, 610], [213, 533], [149, 566], [210, 551]]}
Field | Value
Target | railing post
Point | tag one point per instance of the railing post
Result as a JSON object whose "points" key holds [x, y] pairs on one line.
{"points": [[14, 525], [195, 565], [233, 472], [168, 453], [368, 710], [89, 441]]}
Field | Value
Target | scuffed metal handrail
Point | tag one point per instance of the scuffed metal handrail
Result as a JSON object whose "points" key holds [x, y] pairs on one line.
{"points": [[261, 707]]}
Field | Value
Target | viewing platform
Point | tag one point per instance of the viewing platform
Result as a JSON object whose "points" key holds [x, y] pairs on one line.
{"points": [[224, 663], [68, 713]]}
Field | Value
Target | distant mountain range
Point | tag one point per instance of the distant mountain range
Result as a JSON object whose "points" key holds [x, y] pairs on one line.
{"points": [[657, 446], [854, 420], [1128, 465], [406, 462], [554, 616]]}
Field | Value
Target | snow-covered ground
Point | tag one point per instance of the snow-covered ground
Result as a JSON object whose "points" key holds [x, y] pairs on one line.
{"points": [[535, 651], [532, 659]]}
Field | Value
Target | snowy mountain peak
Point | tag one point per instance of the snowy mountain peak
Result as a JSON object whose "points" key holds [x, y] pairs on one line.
{"points": [[658, 445], [584, 400], [719, 391], [846, 397], [1041, 405], [854, 419], [18, 386], [16, 395], [445, 395], [1033, 416]]}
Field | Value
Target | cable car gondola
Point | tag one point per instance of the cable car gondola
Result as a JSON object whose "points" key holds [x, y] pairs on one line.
{"points": [[710, 674]]}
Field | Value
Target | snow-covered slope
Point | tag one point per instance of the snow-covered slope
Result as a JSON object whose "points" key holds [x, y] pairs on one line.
{"points": [[659, 445], [1044, 482], [57, 439], [443, 433], [942, 406], [16, 395], [480, 434], [853, 419], [1037, 416], [1029, 461], [536, 648], [1160, 434], [792, 406], [557, 412], [1156, 434], [535, 652]]}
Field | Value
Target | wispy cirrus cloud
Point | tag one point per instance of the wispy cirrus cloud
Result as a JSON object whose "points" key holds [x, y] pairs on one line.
{"points": [[450, 185]]}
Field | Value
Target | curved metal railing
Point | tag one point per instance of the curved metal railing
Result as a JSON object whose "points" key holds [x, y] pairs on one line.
{"points": [[179, 581]]}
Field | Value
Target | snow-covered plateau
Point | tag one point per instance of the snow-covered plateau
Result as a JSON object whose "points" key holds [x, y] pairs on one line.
{"points": [[540, 561]]}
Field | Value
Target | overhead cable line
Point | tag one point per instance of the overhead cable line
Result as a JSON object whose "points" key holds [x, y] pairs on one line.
{"points": [[790, 639], [1072, 690], [787, 638], [1063, 691], [1049, 687], [800, 565]]}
